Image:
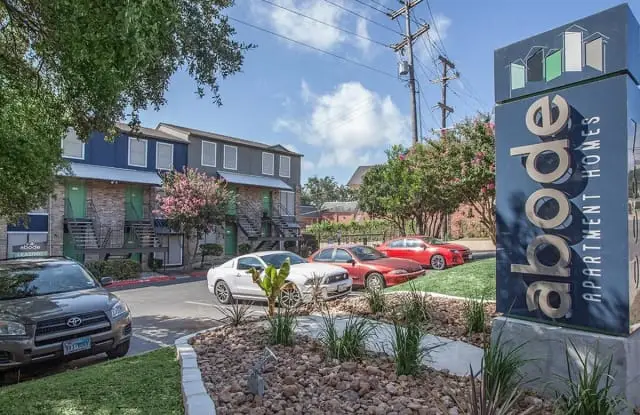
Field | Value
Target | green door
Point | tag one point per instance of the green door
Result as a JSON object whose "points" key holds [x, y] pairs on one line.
{"points": [[76, 200], [133, 200], [230, 239], [267, 203], [232, 207], [69, 248]]}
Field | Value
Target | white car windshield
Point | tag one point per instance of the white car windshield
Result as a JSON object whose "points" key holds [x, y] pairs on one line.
{"points": [[278, 259]]}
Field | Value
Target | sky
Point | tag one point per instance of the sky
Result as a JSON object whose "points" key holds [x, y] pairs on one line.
{"points": [[340, 114]]}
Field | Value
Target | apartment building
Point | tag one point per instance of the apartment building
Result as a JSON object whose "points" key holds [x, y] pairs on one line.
{"points": [[103, 206]]}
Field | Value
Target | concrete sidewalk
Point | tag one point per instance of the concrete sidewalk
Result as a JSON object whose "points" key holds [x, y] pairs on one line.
{"points": [[444, 354]]}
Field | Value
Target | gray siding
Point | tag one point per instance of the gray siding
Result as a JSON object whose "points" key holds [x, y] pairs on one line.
{"points": [[249, 161]]}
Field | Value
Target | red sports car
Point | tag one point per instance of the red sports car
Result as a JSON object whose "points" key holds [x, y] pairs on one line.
{"points": [[430, 252], [367, 266]]}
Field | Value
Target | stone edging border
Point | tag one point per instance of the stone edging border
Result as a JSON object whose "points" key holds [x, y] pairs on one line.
{"points": [[438, 295], [194, 395]]}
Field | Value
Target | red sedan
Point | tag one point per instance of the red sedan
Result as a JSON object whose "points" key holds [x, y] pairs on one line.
{"points": [[367, 266], [430, 252]]}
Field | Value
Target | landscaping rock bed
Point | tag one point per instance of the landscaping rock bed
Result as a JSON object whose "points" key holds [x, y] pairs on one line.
{"points": [[303, 381], [447, 315]]}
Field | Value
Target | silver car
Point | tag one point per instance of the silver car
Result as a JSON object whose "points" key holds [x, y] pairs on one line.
{"points": [[54, 309]]}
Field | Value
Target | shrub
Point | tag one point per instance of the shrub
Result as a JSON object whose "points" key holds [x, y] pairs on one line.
{"points": [[236, 313], [415, 307], [474, 315], [244, 249], [153, 263], [407, 350], [118, 269], [501, 370], [590, 391], [376, 299], [497, 402], [352, 343], [271, 283], [282, 327]]}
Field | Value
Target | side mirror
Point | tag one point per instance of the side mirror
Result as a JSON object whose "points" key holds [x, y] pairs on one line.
{"points": [[424, 247], [104, 281], [352, 262]]}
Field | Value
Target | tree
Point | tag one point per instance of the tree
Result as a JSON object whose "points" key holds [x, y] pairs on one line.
{"points": [[87, 65], [317, 191], [193, 204], [474, 163]]}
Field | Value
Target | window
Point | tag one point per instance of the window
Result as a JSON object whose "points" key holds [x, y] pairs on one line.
{"points": [[164, 156], [342, 256], [287, 203], [398, 243], [230, 158], [72, 147], [267, 163], [43, 279], [24, 244], [366, 253], [208, 157], [414, 243], [278, 259], [137, 152], [285, 166], [249, 262], [324, 255]]}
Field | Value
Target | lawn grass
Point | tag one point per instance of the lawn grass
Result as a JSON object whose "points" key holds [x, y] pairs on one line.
{"points": [[473, 279], [146, 384]]}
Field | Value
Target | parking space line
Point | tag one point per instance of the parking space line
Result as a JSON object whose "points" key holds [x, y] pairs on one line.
{"points": [[150, 340], [197, 303]]}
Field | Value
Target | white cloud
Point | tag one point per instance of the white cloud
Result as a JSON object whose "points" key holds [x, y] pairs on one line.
{"points": [[350, 125], [305, 92], [311, 32]]}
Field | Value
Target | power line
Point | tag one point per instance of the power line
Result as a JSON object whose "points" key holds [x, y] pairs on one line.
{"points": [[370, 6], [325, 23], [435, 26], [371, 68], [362, 17], [381, 5]]}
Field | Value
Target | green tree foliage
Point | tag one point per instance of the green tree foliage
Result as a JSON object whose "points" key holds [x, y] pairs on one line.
{"points": [[271, 283], [86, 65], [318, 190]]}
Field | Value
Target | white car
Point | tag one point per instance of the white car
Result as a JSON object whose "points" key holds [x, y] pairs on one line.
{"points": [[232, 280]]}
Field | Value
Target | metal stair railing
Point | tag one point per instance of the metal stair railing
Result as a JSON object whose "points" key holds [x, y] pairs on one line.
{"points": [[103, 233]]}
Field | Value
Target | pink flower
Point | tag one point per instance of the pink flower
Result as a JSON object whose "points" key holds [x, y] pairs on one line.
{"points": [[402, 157], [491, 186], [483, 190]]}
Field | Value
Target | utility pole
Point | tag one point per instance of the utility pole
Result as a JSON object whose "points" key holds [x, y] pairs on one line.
{"points": [[446, 110], [408, 43]]}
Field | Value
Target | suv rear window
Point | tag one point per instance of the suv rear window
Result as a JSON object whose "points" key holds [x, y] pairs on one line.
{"points": [[32, 280]]}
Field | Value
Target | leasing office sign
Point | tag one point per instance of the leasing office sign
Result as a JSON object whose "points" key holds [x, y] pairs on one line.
{"points": [[562, 173]]}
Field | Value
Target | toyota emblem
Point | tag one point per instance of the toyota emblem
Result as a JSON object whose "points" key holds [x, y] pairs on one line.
{"points": [[74, 322]]}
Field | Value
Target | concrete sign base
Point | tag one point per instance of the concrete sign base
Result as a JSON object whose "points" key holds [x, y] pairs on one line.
{"points": [[546, 348]]}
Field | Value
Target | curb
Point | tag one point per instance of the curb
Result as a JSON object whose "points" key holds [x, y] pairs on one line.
{"points": [[438, 295], [194, 394], [160, 278]]}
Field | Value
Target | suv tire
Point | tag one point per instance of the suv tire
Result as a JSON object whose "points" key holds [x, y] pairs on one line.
{"points": [[10, 377], [120, 350]]}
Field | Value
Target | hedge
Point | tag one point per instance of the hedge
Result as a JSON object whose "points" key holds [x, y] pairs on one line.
{"points": [[118, 269]]}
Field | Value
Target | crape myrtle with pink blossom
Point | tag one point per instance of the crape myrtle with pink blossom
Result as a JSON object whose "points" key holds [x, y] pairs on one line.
{"points": [[193, 203]]}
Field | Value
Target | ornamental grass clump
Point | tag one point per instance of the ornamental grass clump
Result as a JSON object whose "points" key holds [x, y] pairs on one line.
{"points": [[351, 344], [474, 315], [376, 299], [282, 327]]}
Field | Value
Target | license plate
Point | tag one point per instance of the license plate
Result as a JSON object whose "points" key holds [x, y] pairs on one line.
{"points": [[76, 345], [342, 287]]}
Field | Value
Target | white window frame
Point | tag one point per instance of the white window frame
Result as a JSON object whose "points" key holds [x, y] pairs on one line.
{"points": [[73, 157], [280, 166], [158, 144], [224, 163], [273, 163], [286, 211], [215, 153], [146, 150]]}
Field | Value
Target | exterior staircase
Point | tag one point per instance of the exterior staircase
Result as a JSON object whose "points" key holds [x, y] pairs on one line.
{"points": [[248, 218], [283, 228], [83, 233], [145, 233], [266, 245]]}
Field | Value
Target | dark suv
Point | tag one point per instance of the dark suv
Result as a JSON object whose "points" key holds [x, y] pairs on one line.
{"points": [[53, 308]]}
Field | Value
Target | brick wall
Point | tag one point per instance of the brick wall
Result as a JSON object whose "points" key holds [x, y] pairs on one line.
{"points": [[109, 202], [56, 220], [466, 223], [3, 238]]}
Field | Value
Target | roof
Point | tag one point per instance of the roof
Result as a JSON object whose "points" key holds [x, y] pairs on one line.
{"points": [[92, 171], [250, 180], [227, 139], [309, 211], [149, 132], [351, 207], [356, 179]]}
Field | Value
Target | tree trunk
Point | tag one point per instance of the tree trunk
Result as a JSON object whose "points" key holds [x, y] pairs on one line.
{"points": [[188, 255]]}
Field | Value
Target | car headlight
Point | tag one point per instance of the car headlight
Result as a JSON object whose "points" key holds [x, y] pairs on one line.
{"points": [[11, 328], [455, 251], [119, 309], [398, 272]]}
